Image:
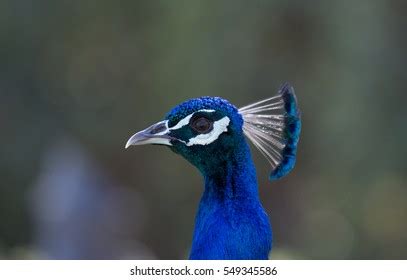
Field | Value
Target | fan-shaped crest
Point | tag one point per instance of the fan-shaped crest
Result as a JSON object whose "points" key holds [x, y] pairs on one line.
{"points": [[273, 126]]}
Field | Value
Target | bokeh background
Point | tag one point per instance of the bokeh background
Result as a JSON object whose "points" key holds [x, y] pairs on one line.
{"points": [[77, 78]]}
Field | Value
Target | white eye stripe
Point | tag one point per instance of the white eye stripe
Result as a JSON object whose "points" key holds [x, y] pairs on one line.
{"points": [[185, 121], [206, 110], [219, 127], [182, 123]]}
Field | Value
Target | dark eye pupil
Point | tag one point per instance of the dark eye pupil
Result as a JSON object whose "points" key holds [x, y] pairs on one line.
{"points": [[201, 125]]}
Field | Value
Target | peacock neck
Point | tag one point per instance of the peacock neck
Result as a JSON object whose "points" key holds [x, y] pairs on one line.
{"points": [[234, 179], [231, 223]]}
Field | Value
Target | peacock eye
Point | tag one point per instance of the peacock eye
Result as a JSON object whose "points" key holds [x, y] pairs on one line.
{"points": [[201, 124]]}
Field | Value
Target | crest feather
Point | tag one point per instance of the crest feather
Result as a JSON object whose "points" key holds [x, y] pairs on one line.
{"points": [[273, 125]]}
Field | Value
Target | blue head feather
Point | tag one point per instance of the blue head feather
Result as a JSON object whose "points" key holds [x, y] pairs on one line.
{"points": [[205, 102]]}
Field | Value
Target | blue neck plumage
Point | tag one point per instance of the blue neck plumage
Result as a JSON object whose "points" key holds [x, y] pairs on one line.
{"points": [[231, 223]]}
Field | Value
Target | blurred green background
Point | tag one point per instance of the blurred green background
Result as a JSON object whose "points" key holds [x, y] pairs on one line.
{"points": [[77, 78]]}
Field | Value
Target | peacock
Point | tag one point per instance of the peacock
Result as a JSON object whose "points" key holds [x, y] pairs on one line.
{"points": [[211, 133]]}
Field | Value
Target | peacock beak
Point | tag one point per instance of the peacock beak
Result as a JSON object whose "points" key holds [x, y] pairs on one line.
{"points": [[155, 134]]}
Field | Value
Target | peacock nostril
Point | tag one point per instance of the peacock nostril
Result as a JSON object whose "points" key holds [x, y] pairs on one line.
{"points": [[160, 127], [155, 134]]}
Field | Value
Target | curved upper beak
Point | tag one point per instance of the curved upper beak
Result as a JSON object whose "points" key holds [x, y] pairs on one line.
{"points": [[155, 134]]}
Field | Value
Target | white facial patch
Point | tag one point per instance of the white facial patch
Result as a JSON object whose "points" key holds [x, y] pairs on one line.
{"points": [[185, 121], [219, 127]]}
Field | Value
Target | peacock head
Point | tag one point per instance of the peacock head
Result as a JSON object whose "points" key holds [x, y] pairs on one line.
{"points": [[207, 131]]}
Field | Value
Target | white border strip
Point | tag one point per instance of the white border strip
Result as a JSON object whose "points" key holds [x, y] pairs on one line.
{"points": [[117, 270]]}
